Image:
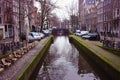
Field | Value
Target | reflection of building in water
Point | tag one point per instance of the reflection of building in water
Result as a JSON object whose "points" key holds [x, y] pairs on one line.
{"points": [[83, 66], [64, 63], [85, 70], [44, 71]]}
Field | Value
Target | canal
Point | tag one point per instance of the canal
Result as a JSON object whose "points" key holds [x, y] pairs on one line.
{"points": [[65, 62]]}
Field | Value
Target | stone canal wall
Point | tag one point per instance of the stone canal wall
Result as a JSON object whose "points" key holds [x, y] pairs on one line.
{"points": [[28, 71], [101, 61]]}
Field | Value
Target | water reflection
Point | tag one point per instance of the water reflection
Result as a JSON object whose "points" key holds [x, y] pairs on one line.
{"points": [[64, 63]]}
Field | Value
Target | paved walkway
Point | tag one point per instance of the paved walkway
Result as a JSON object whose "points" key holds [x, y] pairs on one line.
{"points": [[113, 60], [14, 70]]}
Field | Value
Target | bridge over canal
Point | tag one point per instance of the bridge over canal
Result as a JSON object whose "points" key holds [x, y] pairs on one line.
{"points": [[60, 32]]}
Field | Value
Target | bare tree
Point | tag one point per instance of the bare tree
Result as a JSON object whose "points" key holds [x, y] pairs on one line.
{"points": [[47, 6], [55, 20], [25, 17], [73, 13]]}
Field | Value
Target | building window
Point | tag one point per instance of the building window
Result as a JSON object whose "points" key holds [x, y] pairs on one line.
{"points": [[0, 10], [118, 11], [5, 28], [0, 20]]}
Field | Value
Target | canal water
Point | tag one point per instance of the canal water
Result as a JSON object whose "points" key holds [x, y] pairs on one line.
{"points": [[64, 62]]}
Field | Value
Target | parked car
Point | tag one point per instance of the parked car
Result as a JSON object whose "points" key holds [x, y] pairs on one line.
{"points": [[46, 32], [91, 36], [35, 35], [82, 33], [30, 38], [41, 35], [77, 32]]}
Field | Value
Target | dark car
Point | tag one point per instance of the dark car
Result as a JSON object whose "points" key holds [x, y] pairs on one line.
{"points": [[91, 36]]}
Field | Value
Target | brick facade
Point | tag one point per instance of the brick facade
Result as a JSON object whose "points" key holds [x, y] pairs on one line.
{"points": [[13, 23]]}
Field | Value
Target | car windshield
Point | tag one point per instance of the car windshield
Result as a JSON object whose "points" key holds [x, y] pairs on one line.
{"points": [[77, 31], [92, 34]]}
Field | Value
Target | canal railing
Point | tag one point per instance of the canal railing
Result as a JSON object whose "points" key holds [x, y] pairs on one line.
{"points": [[10, 46]]}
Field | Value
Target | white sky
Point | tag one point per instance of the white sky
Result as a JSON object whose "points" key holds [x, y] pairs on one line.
{"points": [[62, 11]]}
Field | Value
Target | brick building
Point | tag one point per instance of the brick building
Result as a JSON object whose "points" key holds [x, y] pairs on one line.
{"points": [[91, 18], [104, 17], [111, 22], [100, 28], [116, 17], [2, 28], [16, 16], [87, 15], [10, 10], [82, 10]]}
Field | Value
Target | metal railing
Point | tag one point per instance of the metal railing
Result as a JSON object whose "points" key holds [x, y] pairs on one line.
{"points": [[6, 47]]}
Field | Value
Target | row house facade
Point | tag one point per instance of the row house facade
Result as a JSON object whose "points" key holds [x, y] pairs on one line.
{"points": [[116, 18], [111, 22], [107, 17], [17, 16], [100, 28], [10, 18], [2, 29], [91, 18], [103, 17], [82, 12], [87, 15]]}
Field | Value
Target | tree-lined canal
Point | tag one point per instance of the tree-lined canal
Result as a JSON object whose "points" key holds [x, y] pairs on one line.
{"points": [[64, 62]]}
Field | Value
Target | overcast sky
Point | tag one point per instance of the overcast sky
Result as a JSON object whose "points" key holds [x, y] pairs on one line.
{"points": [[62, 11]]}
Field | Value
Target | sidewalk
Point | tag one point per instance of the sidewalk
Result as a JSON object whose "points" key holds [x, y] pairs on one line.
{"points": [[110, 58], [14, 70]]}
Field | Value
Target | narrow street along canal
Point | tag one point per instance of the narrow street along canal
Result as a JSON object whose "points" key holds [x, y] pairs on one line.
{"points": [[64, 62]]}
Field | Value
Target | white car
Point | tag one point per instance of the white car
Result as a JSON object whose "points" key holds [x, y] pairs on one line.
{"points": [[46, 32], [77, 32], [41, 35], [35, 35], [82, 33]]}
